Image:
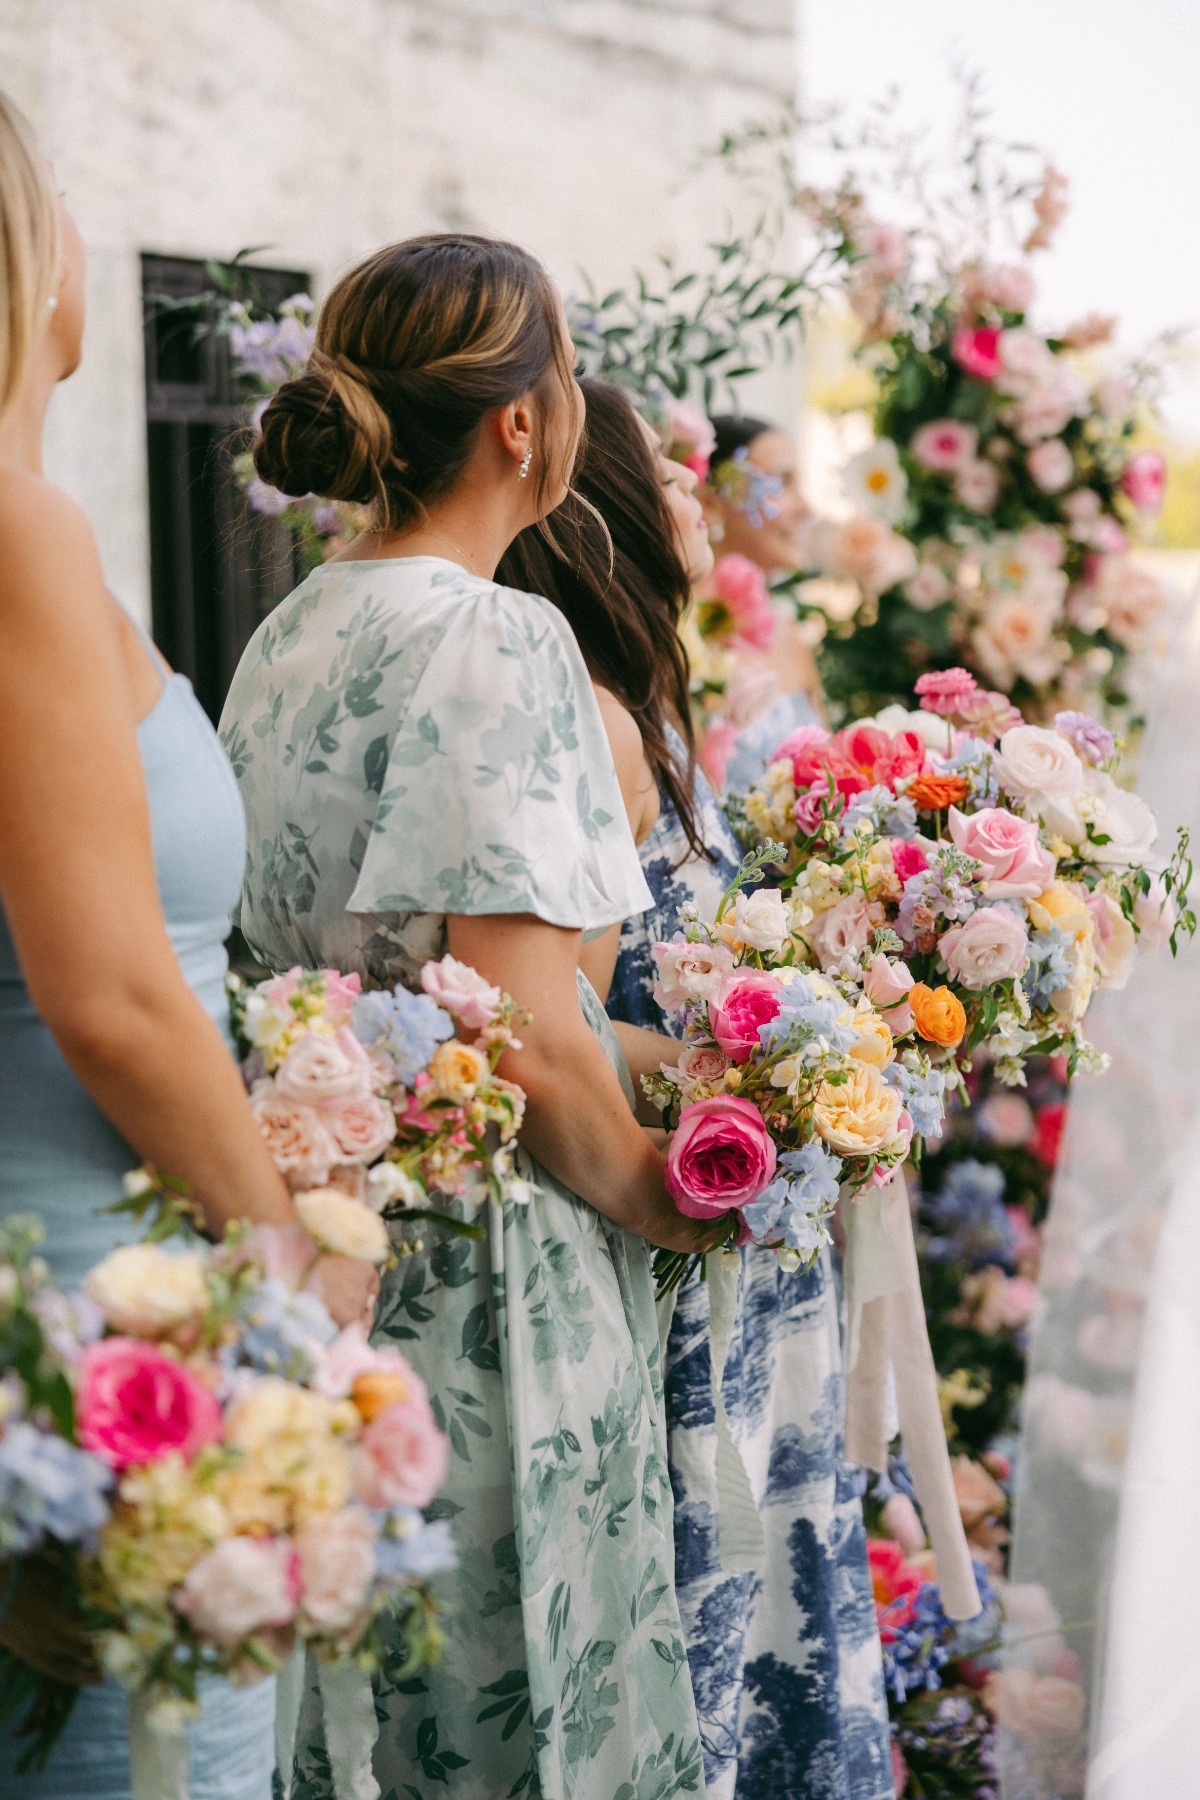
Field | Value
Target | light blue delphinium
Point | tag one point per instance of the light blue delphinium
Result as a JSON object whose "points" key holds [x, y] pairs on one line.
{"points": [[802, 1011], [409, 1027], [790, 1208], [1049, 965], [883, 811], [924, 1097], [49, 1488], [285, 1332], [406, 1545]]}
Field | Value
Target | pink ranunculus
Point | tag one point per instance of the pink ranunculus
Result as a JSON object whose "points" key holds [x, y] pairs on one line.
{"points": [[318, 1068], [133, 1404], [721, 1157], [747, 999], [803, 750], [362, 1127], [844, 929], [689, 972], [402, 1457], [946, 691], [1051, 465], [991, 946], [741, 587], [245, 1585], [350, 1355], [462, 991], [300, 1146], [908, 859], [336, 1556], [810, 809], [341, 991], [1014, 864], [976, 350], [1145, 480], [945, 445]]}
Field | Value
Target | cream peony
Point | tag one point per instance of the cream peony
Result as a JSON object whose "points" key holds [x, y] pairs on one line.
{"points": [[342, 1225], [1033, 761], [146, 1291], [860, 1116]]}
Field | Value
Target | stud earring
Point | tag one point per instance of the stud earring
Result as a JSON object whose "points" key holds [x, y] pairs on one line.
{"points": [[523, 471]]}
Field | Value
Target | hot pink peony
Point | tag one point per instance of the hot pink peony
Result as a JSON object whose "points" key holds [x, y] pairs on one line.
{"points": [[462, 991], [402, 1457], [1014, 864], [976, 350], [741, 587], [133, 1404], [908, 859], [945, 445], [946, 691], [1145, 480], [245, 1585], [748, 999], [720, 1158]]}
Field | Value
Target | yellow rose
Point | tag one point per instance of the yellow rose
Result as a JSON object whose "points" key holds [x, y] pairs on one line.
{"points": [[1061, 905], [147, 1291], [873, 1040], [457, 1070], [338, 1222], [859, 1116]]}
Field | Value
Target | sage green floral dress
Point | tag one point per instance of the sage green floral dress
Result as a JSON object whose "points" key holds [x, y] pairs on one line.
{"points": [[412, 741]]}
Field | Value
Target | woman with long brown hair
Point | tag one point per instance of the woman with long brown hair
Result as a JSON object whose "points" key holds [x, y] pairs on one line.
{"points": [[425, 769], [780, 1634]]}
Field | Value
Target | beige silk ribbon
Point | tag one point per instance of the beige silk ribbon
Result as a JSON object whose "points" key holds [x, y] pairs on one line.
{"points": [[888, 1332]]}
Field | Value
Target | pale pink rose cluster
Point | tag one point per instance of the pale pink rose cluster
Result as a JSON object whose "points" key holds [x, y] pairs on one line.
{"points": [[320, 1109], [863, 550]]}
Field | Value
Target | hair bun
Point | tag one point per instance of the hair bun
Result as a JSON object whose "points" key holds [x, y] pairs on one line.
{"points": [[325, 433]]}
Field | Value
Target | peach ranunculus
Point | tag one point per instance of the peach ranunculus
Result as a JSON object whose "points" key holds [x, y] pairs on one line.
{"points": [[860, 1116], [991, 946], [456, 1072], [301, 1147], [1013, 863], [336, 1556], [937, 1014], [933, 792], [1014, 637]]}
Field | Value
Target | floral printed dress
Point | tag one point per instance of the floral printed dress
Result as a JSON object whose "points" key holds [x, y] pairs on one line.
{"points": [[785, 1660], [411, 741]]}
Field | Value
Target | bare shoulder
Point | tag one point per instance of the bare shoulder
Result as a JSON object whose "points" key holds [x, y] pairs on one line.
{"points": [[624, 737], [50, 572], [639, 790]]}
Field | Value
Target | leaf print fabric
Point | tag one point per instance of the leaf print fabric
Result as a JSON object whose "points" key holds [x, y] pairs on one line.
{"points": [[412, 741]]}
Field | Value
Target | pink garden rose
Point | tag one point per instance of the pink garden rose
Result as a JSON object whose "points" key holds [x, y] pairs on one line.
{"points": [[462, 991], [991, 946], [748, 999], [946, 691], [721, 1157], [803, 750], [362, 1127], [844, 929], [301, 1148], [944, 445], [701, 1063], [401, 1457], [245, 1585], [976, 350], [1051, 465], [133, 1404], [908, 859], [1145, 480], [1014, 864], [977, 485], [318, 1068], [689, 972], [741, 587], [351, 1355], [336, 1556]]}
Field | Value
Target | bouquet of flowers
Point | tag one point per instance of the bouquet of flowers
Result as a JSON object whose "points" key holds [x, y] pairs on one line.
{"points": [[1000, 860], [731, 612], [218, 1467], [370, 1104], [788, 1086]]}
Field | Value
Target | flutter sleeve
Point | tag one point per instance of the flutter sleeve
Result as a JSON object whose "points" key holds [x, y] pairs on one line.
{"points": [[499, 793]]}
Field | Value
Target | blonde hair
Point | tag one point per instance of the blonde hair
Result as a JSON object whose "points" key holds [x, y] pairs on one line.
{"points": [[413, 347], [28, 247]]}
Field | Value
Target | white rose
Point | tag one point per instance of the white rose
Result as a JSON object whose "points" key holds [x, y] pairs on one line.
{"points": [[929, 728], [1033, 762], [1114, 813], [147, 1291], [343, 1225], [759, 921], [388, 1185]]}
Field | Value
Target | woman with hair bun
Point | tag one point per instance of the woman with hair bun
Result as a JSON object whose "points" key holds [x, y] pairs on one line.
{"points": [[425, 769], [121, 849]]}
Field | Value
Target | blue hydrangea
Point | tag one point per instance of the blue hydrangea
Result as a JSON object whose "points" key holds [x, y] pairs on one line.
{"points": [[49, 1488], [804, 1016], [968, 1217], [1049, 966], [924, 1096], [883, 811], [409, 1027], [973, 759], [919, 1650], [418, 1550], [285, 1332], [789, 1210]]}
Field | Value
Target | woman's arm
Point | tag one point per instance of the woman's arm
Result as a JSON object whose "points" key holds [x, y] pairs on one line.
{"points": [[577, 1121], [645, 1052], [78, 886]]}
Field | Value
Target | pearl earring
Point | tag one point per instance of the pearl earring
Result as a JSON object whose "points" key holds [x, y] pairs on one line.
{"points": [[523, 471]]}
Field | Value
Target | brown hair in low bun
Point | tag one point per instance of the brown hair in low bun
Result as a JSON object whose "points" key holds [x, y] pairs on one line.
{"points": [[413, 347]]}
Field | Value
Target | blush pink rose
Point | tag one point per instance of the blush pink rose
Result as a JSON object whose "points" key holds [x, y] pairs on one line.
{"points": [[689, 972], [747, 1000], [844, 929], [321, 1068], [1145, 480], [362, 1127], [301, 1148], [908, 859], [133, 1404], [341, 991], [976, 350], [462, 991], [702, 1063], [336, 1557], [281, 988], [402, 1457], [350, 1355], [1051, 465], [991, 946], [245, 1585], [945, 445], [720, 1158], [1014, 864]]}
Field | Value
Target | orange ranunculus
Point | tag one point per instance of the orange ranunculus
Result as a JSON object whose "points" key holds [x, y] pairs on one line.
{"points": [[934, 792], [937, 1013], [377, 1389]]}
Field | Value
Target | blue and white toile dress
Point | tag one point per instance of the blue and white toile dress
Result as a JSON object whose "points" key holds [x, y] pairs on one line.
{"points": [[785, 1661]]}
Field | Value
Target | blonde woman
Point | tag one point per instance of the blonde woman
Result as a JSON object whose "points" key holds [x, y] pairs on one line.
{"points": [[121, 850]]}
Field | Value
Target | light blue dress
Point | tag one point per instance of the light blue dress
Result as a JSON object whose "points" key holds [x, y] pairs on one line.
{"points": [[413, 742], [785, 1661], [61, 1158]]}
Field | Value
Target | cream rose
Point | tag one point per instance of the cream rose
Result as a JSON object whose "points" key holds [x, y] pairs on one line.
{"points": [[859, 1116], [319, 1068], [456, 1071], [337, 1568], [146, 1291], [759, 921], [344, 1226], [1033, 762]]}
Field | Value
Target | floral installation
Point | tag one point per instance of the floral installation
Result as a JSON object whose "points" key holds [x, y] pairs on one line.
{"points": [[1001, 861], [370, 1104], [788, 1089], [218, 1471]]}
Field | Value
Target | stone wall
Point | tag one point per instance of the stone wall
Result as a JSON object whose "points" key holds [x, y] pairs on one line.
{"points": [[321, 128]]}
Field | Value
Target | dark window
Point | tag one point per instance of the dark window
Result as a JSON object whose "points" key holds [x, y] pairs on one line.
{"points": [[216, 567]]}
